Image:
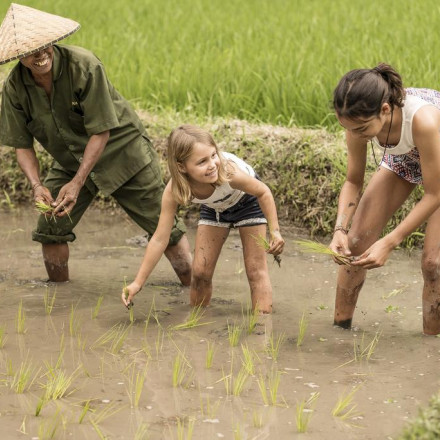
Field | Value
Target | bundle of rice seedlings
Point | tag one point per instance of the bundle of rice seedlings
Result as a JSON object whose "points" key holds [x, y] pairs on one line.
{"points": [[315, 247], [47, 210], [263, 243]]}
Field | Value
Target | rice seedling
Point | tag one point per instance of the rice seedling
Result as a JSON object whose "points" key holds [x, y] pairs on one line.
{"points": [[7, 201], [208, 410], [49, 300], [74, 322], [312, 246], [58, 382], [84, 411], [81, 342], [264, 244], [20, 319], [234, 333], [364, 350], [97, 307], [209, 354], [274, 345], [114, 338], [193, 320], [9, 368], [182, 370], [304, 411], [391, 309], [126, 293], [344, 408], [47, 429], [107, 411], [257, 419], [303, 323], [22, 379], [394, 292], [141, 432], [273, 385], [248, 360], [263, 390], [237, 432], [250, 318], [3, 336], [239, 381], [40, 405], [136, 385], [48, 211], [159, 341], [98, 430], [181, 428], [227, 381]]}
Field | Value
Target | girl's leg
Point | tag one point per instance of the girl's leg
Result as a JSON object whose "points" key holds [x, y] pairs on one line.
{"points": [[255, 261], [385, 193], [209, 242], [431, 276]]}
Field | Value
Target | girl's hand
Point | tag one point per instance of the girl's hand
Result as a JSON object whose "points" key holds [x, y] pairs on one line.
{"points": [[339, 245], [128, 294], [375, 256], [276, 243]]}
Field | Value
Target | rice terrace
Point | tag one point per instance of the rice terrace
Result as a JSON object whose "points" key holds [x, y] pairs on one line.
{"points": [[259, 76]]}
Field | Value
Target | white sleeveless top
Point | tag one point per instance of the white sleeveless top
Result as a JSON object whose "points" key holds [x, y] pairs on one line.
{"points": [[406, 144], [224, 197]]}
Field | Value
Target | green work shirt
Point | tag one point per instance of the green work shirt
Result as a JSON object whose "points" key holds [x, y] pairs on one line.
{"points": [[83, 102]]}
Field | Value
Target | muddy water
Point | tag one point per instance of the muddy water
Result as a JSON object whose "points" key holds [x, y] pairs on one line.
{"points": [[400, 374]]}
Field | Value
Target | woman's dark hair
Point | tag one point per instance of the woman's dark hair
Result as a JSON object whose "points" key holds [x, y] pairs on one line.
{"points": [[361, 92]]}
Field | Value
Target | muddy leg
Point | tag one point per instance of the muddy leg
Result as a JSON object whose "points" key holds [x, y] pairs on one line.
{"points": [[180, 258], [56, 257]]}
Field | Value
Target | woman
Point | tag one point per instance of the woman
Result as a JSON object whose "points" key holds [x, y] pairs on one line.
{"points": [[373, 106]]}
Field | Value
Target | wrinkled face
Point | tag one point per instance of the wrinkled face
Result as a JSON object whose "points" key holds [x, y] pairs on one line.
{"points": [[203, 164], [39, 63]]}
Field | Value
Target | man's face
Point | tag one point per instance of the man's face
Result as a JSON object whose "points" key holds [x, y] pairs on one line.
{"points": [[39, 63]]}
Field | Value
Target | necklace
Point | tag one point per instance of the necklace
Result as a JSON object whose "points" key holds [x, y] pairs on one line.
{"points": [[386, 142]]}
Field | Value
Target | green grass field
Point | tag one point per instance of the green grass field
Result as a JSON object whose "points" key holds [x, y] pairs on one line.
{"points": [[275, 61]]}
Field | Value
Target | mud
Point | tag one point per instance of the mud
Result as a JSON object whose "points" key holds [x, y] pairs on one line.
{"points": [[398, 375]]}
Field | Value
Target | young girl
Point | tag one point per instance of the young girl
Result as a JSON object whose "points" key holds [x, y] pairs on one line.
{"points": [[231, 197], [373, 106]]}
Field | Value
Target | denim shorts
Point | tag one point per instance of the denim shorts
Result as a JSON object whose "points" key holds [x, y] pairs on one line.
{"points": [[246, 212]]}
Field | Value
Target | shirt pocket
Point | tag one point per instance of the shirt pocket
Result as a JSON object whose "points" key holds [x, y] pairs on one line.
{"points": [[37, 130], [76, 122]]}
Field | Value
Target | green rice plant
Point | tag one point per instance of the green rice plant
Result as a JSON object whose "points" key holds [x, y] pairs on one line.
{"points": [[97, 307], [237, 432], [126, 294], [250, 318], [273, 385], [193, 320], [114, 338], [141, 432], [394, 293], [40, 405], [131, 314], [74, 322], [391, 309], [181, 428], [80, 341], [3, 336], [58, 382], [159, 341], [84, 411], [312, 246], [303, 323], [234, 333], [208, 410], [239, 381], [257, 419], [304, 411], [20, 319], [274, 345], [264, 244], [7, 202], [98, 429], [62, 350], [344, 408], [227, 381], [182, 370], [136, 385], [24, 377], [248, 360], [365, 350], [48, 428], [49, 300], [99, 416], [263, 390], [209, 354], [48, 211], [9, 368]]}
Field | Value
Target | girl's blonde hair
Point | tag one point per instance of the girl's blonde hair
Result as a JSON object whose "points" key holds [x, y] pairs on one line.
{"points": [[180, 145]]}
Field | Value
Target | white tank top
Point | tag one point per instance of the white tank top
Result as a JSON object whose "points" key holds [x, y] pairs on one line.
{"points": [[224, 197], [406, 144]]}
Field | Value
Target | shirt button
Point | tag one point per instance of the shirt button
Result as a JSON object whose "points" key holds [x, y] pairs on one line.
{"points": [[71, 147], [92, 174], [80, 159]]}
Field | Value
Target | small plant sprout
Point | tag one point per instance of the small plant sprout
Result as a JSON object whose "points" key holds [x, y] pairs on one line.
{"points": [[208, 410], [181, 428], [263, 243], [273, 384], [20, 319], [364, 350], [263, 390], [182, 370], [274, 345], [248, 360], [311, 246], [251, 318], [57, 384], [234, 333], [304, 411], [3, 336], [136, 385], [345, 409], [239, 381], [391, 309], [74, 322], [114, 338], [394, 293], [193, 320], [302, 327], [84, 411], [40, 405], [22, 379], [49, 300], [95, 311], [47, 429], [159, 341], [237, 432], [257, 419], [227, 382], [209, 354]]}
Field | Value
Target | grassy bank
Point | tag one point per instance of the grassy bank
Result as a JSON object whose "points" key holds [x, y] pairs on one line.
{"points": [[271, 61], [304, 168]]}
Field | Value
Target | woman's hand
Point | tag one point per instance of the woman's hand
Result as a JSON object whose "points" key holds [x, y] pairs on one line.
{"points": [[339, 244], [276, 243], [375, 256], [129, 292]]}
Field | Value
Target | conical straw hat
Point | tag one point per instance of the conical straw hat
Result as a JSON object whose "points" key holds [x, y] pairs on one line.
{"points": [[26, 30]]}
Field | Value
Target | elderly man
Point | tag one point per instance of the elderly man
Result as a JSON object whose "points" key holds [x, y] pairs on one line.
{"points": [[60, 96]]}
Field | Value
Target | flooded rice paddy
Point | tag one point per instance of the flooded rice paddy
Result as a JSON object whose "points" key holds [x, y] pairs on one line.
{"points": [[90, 370]]}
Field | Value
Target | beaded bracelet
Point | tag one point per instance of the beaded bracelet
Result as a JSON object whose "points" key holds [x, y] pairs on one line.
{"points": [[342, 229], [35, 186]]}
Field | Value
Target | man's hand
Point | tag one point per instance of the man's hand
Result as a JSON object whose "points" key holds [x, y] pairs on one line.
{"points": [[66, 199]]}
